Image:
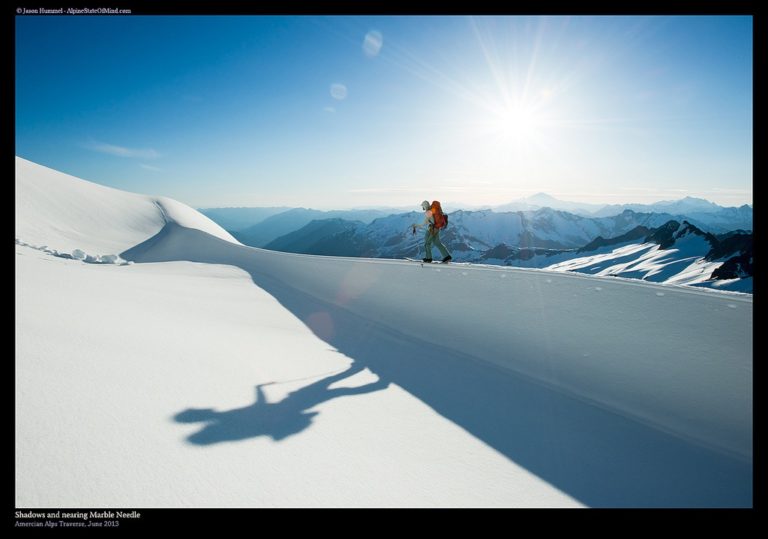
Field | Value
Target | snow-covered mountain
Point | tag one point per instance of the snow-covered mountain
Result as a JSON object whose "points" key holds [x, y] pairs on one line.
{"points": [[211, 374], [471, 233], [543, 200], [541, 239], [541, 222], [676, 254], [681, 206], [706, 214], [726, 219]]}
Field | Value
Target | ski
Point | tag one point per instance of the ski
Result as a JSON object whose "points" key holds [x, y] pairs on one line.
{"points": [[437, 262], [421, 261]]}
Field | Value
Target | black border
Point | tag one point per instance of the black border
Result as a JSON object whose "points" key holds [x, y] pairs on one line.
{"points": [[253, 520], [412, 7]]}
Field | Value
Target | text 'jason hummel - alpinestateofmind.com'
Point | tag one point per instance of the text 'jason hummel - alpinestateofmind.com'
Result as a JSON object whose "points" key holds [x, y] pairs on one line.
{"points": [[72, 11]]}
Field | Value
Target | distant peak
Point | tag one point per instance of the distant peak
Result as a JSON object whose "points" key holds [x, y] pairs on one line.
{"points": [[541, 197]]}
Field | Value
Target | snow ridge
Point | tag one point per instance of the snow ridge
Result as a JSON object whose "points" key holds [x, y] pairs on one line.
{"points": [[66, 213]]}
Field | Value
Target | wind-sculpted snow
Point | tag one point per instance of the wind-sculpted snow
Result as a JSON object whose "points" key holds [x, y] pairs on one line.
{"points": [[66, 213], [183, 215]]}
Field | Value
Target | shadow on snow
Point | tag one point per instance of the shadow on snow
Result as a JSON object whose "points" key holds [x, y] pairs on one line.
{"points": [[277, 420]]}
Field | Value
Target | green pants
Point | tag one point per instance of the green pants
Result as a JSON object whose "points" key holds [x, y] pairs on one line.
{"points": [[433, 238]]}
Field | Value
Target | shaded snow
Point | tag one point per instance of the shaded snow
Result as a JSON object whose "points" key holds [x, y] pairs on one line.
{"points": [[743, 285]]}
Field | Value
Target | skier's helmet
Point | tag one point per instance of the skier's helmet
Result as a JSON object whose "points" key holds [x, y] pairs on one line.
{"points": [[425, 205]]}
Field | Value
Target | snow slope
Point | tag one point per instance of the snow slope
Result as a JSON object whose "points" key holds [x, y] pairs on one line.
{"points": [[213, 374], [111, 404], [66, 213]]}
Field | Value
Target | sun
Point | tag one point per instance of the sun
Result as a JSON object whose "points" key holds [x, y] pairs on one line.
{"points": [[518, 122]]}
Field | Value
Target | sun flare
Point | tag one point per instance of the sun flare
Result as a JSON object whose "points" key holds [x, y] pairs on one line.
{"points": [[518, 122]]}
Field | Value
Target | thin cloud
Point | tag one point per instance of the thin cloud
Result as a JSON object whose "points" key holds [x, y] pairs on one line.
{"points": [[122, 151], [418, 188], [725, 190], [150, 167], [654, 189], [384, 190]]}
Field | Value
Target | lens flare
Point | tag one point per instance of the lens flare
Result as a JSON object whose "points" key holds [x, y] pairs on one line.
{"points": [[372, 43], [338, 91]]}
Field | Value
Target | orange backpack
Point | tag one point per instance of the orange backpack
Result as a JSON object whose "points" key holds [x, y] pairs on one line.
{"points": [[441, 219]]}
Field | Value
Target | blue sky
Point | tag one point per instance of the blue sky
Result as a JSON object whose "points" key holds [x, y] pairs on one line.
{"points": [[339, 112]]}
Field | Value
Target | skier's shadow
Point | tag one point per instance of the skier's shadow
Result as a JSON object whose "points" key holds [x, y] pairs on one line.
{"points": [[278, 420]]}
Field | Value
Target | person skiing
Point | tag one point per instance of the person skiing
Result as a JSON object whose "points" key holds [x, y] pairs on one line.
{"points": [[432, 236]]}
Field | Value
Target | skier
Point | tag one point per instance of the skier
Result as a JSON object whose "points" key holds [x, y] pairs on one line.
{"points": [[434, 220]]}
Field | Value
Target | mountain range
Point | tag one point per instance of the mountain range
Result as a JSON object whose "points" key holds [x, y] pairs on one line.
{"points": [[650, 246], [674, 253], [260, 233], [539, 221], [259, 226], [711, 215], [536, 231]]}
